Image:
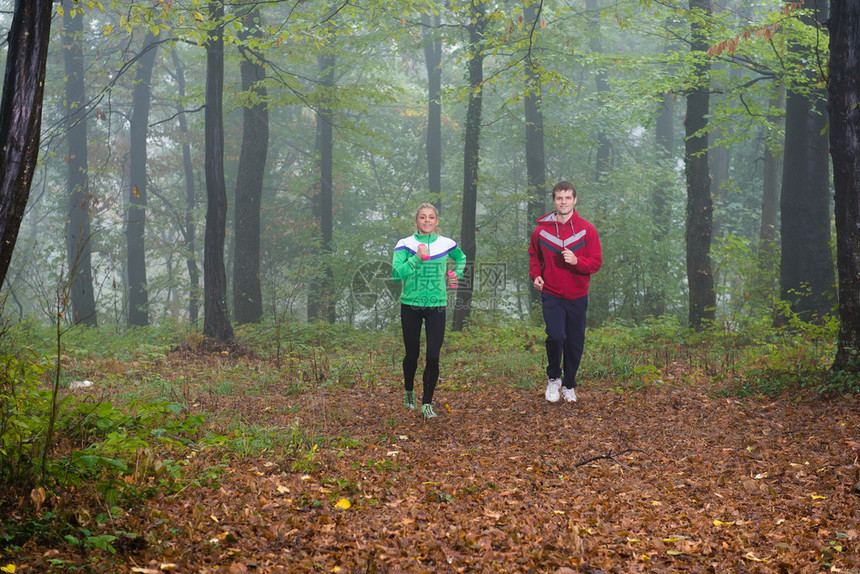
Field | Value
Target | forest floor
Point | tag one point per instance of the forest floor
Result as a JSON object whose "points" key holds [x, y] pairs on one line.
{"points": [[668, 477]]}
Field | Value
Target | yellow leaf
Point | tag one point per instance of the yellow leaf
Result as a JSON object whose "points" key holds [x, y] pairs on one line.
{"points": [[751, 556], [8, 568], [817, 497], [107, 29], [343, 504], [721, 523]]}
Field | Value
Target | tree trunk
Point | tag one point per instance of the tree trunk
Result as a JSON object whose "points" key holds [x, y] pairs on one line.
{"points": [[78, 245], [844, 91], [719, 160], [433, 59], [471, 156], [321, 304], [535, 156], [216, 323], [806, 261], [247, 292], [190, 231], [138, 296], [655, 296], [699, 205], [603, 157], [766, 256], [21, 116]]}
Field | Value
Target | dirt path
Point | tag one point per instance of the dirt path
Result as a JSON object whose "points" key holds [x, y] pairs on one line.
{"points": [[678, 481]]}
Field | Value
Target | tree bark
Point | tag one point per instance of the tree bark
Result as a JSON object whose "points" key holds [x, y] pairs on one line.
{"points": [[78, 236], [471, 156], [700, 278], [247, 291], [844, 103], [766, 255], [433, 60], [535, 154], [806, 261], [190, 230], [138, 293], [655, 296], [21, 116], [321, 304], [216, 323], [603, 157]]}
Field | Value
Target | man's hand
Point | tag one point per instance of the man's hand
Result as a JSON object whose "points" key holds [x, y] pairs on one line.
{"points": [[539, 283], [569, 257]]}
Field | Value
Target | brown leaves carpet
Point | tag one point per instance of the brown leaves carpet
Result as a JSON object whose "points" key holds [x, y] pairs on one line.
{"points": [[666, 478]]}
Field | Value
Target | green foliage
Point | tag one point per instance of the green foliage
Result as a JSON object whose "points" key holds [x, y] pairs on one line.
{"points": [[24, 403], [92, 442]]}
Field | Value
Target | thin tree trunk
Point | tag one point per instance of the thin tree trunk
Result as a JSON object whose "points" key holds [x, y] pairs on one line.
{"points": [[21, 116], [603, 157], [189, 233], [247, 291], [806, 262], [321, 303], [471, 155], [78, 236], [433, 59], [767, 268], [138, 295], [216, 322], [535, 156], [655, 296], [844, 89], [699, 204]]}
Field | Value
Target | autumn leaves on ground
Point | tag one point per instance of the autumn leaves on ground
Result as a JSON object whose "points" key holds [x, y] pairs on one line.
{"points": [[672, 474]]}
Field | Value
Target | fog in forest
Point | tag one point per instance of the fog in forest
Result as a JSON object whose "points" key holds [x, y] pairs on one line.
{"points": [[695, 134]]}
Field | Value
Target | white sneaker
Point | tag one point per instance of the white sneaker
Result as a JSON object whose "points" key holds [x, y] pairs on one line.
{"points": [[569, 394], [552, 388]]}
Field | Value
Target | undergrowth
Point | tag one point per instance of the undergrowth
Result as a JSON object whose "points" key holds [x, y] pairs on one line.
{"points": [[140, 428]]}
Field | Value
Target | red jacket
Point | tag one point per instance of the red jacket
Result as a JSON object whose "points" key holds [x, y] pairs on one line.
{"points": [[545, 260]]}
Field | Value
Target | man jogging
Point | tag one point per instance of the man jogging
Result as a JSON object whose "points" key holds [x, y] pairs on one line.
{"points": [[563, 254]]}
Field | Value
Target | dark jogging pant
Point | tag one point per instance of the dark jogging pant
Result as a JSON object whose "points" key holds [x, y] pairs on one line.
{"points": [[565, 336], [434, 325]]}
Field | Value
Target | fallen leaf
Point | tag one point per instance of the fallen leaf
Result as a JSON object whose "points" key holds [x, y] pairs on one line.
{"points": [[752, 557]]}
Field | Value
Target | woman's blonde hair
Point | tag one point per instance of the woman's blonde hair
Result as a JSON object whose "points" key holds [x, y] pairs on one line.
{"points": [[427, 206]]}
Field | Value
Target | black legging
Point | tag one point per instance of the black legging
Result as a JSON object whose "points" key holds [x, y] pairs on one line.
{"points": [[434, 325]]}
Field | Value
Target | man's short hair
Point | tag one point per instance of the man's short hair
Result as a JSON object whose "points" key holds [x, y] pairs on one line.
{"points": [[563, 186]]}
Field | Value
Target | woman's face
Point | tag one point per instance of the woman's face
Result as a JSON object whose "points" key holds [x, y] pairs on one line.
{"points": [[426, 221]]}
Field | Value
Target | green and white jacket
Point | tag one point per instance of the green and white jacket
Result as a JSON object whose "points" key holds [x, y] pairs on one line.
{"points": [[424, 282]]}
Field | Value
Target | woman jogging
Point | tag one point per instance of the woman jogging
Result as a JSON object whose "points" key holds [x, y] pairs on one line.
{"points": [[421, 262]]}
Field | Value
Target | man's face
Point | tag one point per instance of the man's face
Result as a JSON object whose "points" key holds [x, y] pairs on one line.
{"points": [[564, 201]]}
